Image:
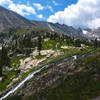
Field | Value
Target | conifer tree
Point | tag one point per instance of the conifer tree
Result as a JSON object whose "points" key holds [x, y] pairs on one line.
{"points": [[4, 59], [78, 43], [96, 43], [39, 44]]}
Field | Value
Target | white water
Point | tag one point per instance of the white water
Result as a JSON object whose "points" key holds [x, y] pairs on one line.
{"points": [[28, 78], [74, 57], [21, 83]]}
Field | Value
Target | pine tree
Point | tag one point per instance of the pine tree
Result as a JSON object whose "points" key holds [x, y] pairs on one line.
{"points": [[78, 43], [4, 59], [39, 44], [27, 42], [63, 37], [0, 67], [96, 43]]}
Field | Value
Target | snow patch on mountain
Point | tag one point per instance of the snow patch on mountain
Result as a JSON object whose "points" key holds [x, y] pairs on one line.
{"points": [[85, 32], [51, 27]]}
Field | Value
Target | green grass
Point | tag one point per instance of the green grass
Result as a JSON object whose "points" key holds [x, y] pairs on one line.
{"points": [[51, 44], [92, 61], [80, 86], [7, 79], [8, 76], [15, 62], [77, 87], [40, 56]]}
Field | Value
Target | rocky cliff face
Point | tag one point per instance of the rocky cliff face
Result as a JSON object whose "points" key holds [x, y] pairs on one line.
{"points": [[92, 34], [69, 30]]}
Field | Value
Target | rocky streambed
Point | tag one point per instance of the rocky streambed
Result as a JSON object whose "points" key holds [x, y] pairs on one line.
{"points": [[41, 78]]}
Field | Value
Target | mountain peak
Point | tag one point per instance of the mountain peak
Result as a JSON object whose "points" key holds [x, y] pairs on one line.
{"points": [[11, 19]]}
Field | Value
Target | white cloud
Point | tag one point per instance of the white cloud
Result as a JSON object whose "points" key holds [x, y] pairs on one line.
{"points": [[55, 3], [86, 13], [22, 9], [19, 8], [3, 2], [38, 6], [40, 16], [50, 8]]}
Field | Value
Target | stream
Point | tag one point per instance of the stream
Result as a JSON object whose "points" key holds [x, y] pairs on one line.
{"points": [[31, 75]]}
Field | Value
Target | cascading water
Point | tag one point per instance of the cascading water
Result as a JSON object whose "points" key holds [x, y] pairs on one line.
{"points": [[29, 77]]}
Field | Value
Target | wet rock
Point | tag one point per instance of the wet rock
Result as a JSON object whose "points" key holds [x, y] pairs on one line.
{"points": [[1, 79]]}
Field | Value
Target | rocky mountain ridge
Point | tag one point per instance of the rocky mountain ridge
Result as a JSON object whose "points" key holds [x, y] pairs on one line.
{"points": [[92, 33], [60, 28], [11, 19]]}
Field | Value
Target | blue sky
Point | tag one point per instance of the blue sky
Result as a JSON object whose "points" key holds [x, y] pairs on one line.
{"points": [[49, 7], [76, 13]]}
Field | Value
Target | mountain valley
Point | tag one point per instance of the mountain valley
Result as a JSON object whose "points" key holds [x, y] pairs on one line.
{"points": [[40, 60]]}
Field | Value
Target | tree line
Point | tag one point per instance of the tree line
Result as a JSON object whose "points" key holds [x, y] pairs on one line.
{"points": [[4, 59]]}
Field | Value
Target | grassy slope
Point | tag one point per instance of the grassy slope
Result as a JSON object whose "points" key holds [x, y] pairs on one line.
{"points": [[80, 86], [67, 53]]}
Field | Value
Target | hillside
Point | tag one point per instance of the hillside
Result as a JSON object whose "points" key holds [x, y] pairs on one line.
{"points": [[65, 80], [69, 30], [11, 19], [47, 61], [32, 49]]}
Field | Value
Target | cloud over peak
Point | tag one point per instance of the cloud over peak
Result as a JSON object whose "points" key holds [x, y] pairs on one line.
{"points": [[38, 6], [2, 2], [22, 9], [85, 13]]}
